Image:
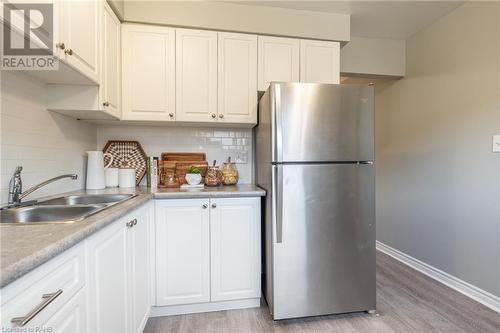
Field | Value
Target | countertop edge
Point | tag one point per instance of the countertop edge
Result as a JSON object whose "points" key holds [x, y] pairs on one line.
{"points": [[102, 219]]}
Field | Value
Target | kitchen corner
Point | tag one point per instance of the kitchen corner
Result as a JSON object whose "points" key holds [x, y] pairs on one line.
{"points": [[24, 248]]}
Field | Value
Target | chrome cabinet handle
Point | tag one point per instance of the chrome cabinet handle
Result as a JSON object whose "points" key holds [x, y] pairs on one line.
{"points": [[68, 51], [134, 221], [61, 45], [204, 206], [214, 205], [221, 116], [130, 224], [105, 104], [213, 115], [171, 115], [47, 299]]}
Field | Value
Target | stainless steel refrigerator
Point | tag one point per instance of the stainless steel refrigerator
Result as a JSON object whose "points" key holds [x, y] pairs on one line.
{"points": [[314, 156]]}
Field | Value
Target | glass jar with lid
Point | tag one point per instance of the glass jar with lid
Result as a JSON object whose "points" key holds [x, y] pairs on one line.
{"points": [[229, 173]]}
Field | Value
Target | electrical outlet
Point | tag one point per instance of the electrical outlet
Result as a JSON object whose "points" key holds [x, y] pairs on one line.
{"points": [[496, 143]]}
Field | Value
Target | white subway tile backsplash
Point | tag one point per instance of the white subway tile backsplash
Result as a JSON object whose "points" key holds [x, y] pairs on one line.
{"points": [[44, 143], [47, 144], [218, 144]]}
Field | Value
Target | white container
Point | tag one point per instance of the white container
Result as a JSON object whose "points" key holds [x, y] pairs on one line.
{"points": [[193, 178], [111, 177], [126, 177], [95, 169]]}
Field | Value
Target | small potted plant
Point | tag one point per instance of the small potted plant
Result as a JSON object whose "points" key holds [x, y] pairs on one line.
{"points": [[193, 175]]}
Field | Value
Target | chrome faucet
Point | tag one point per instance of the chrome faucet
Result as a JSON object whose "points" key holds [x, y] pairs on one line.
{"points": [[16, 193]]}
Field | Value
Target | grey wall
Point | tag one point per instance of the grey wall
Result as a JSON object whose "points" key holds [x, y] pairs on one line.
{"points": [[373, 56], [438, 182]]}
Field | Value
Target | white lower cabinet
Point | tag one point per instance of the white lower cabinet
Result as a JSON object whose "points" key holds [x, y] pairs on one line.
{"points": [[139, 271], [108, 286], [235, 249], [52, 296], [207, 250], [200, 255], [118, 275], [182, 251], [72, 317]]}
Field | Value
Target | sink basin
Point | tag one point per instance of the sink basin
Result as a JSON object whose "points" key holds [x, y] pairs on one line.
{"points": [[47, 214], [87, 199]]}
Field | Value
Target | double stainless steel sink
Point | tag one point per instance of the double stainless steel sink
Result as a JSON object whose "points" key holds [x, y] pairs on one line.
{"points": [[64, 209]]}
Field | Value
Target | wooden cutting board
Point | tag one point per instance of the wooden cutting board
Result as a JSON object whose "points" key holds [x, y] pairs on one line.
{"points": [[181, 157], [181, 167]]}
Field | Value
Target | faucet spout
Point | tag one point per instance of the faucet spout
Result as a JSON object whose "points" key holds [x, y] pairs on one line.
{"points": [[42, 184], [15, 186]]}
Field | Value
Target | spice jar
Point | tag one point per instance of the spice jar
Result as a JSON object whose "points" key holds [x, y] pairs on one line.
{"points": [[229, 173], [213, 176]]}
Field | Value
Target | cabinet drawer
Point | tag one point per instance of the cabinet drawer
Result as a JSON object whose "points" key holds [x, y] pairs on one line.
{"points": [[52, 285]]}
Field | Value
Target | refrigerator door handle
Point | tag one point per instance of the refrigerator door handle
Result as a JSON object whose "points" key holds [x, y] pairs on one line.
{"points": [[277, 122], [278, 201]]}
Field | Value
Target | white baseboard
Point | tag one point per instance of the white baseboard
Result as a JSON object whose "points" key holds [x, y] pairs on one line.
{"points": [[477, 294], [172, 310]]}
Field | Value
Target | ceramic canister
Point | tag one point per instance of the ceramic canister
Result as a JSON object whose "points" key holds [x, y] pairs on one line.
{"points": [[111, 177], [126, 177]]}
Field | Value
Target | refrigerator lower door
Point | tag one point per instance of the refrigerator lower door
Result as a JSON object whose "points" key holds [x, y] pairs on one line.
{"points": [[324, 258]]}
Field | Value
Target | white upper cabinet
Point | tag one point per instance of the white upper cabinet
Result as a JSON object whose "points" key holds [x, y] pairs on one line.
{"points": [[235, 248], [79, 35], [237, 78], [319, 61], [110, 87], [182, 251], [148, 72], [278, 60], [196, 75]]}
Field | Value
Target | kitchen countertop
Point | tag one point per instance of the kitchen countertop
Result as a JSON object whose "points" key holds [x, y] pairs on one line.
{"points": [[25, 247]]}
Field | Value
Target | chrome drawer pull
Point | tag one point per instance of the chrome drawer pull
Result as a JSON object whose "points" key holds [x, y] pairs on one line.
{"points": [[47, 299]]}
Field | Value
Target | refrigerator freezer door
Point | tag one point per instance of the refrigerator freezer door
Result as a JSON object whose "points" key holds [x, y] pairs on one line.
{"points": [[325, 262], [322, 122]]}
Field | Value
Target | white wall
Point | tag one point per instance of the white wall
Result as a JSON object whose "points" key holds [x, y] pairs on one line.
{"points": [[241, 18], [218, 144], [45, 144], [438, 182], [374, 56]]}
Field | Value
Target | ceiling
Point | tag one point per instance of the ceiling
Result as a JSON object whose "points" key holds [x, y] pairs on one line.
{"points": [[375, 19]]}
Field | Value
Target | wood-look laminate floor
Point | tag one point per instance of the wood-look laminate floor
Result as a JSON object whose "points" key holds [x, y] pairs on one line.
{"points": [[407, 301]]}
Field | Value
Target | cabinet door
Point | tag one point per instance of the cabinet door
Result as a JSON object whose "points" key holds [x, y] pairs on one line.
{"points": [[182, 252], [139, 269], [79, 31], [237, 78], [319, 61], [107, 283], [278, 60], [235, 248], [148, 76], [71, 317], [196, 75], [110, 87]]}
